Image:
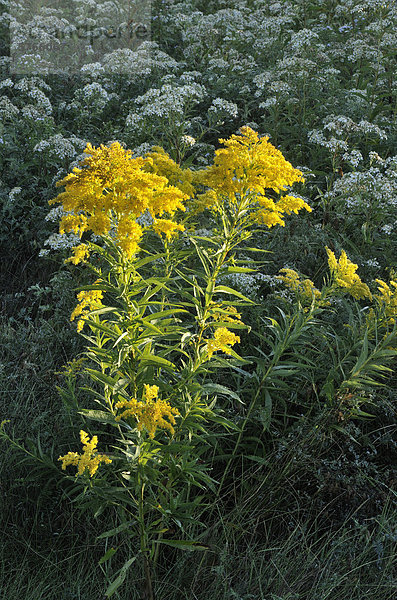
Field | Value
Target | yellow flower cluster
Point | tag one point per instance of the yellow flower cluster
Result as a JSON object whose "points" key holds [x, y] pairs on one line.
{"points": [[91, 300], [223, 339], [208, 199], [89, 460], [150, 412], [110, 190], [227, 314], [304, 288], [167, 227], [387, 299], [345, 276], [80, 254], [164, 166], [249, 164]]}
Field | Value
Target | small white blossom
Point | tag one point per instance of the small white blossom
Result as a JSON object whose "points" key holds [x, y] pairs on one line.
{"points": [[188, 140], [14, 192]]}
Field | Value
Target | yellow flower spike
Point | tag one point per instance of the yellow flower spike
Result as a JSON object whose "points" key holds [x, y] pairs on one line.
{"points": [[248, 162], [161, 164], [304, 288], [247, 168], [99, 223], [291, 204], [222, 340], [129, 234], [80, 254], [112, 189], [90, 300], [345, 276], [227, 314], [75, 223], [168, 200], [332, 262], [149, 413], [89, 460], [387, 299], [151, 392], [167, 227]]}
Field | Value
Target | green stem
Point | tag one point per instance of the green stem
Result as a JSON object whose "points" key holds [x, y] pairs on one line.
{"points": [[279, 351], [144, 539]]}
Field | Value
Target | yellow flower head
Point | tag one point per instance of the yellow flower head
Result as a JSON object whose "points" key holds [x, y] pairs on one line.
{"points": [[149, 413], [111, 190], [227, 314], [222, 340], [167, 227], [129, 234], [89, 460], [345, 276], [387, 299], [305, 288], [90, 300], [251, 165], [75, 223], [80, 254], [151, 392], [161, 164]]}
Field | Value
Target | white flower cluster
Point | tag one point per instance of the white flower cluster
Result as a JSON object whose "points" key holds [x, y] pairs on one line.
{"points": [[354, 157], [140, 62], [60, 147], [387, 229], [332, 144], [373, 189], [56, 214], [92, 98], [6, 83], [344, 127], [14, 192], [248, 284], [8, 110], [372, 262], [220, 109], [56, 241], [305, 39], [167, 102], [188, 140]]}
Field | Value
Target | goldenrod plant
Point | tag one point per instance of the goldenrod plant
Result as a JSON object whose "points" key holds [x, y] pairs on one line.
{"points": [[157, 322]]}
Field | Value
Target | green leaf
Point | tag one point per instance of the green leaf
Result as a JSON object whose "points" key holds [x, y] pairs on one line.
{"points": [[227, 290], [256, 250], [120, 579], [107, 556], [115, 531], [152, 359], [165, 313], [183, 545], [203, 256], [215, 388], [224, 422], [259, 459], [265, 412], [144, 261], [227, 324], [102, 378], [105, 309], [97, 415], [239, 270]]}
